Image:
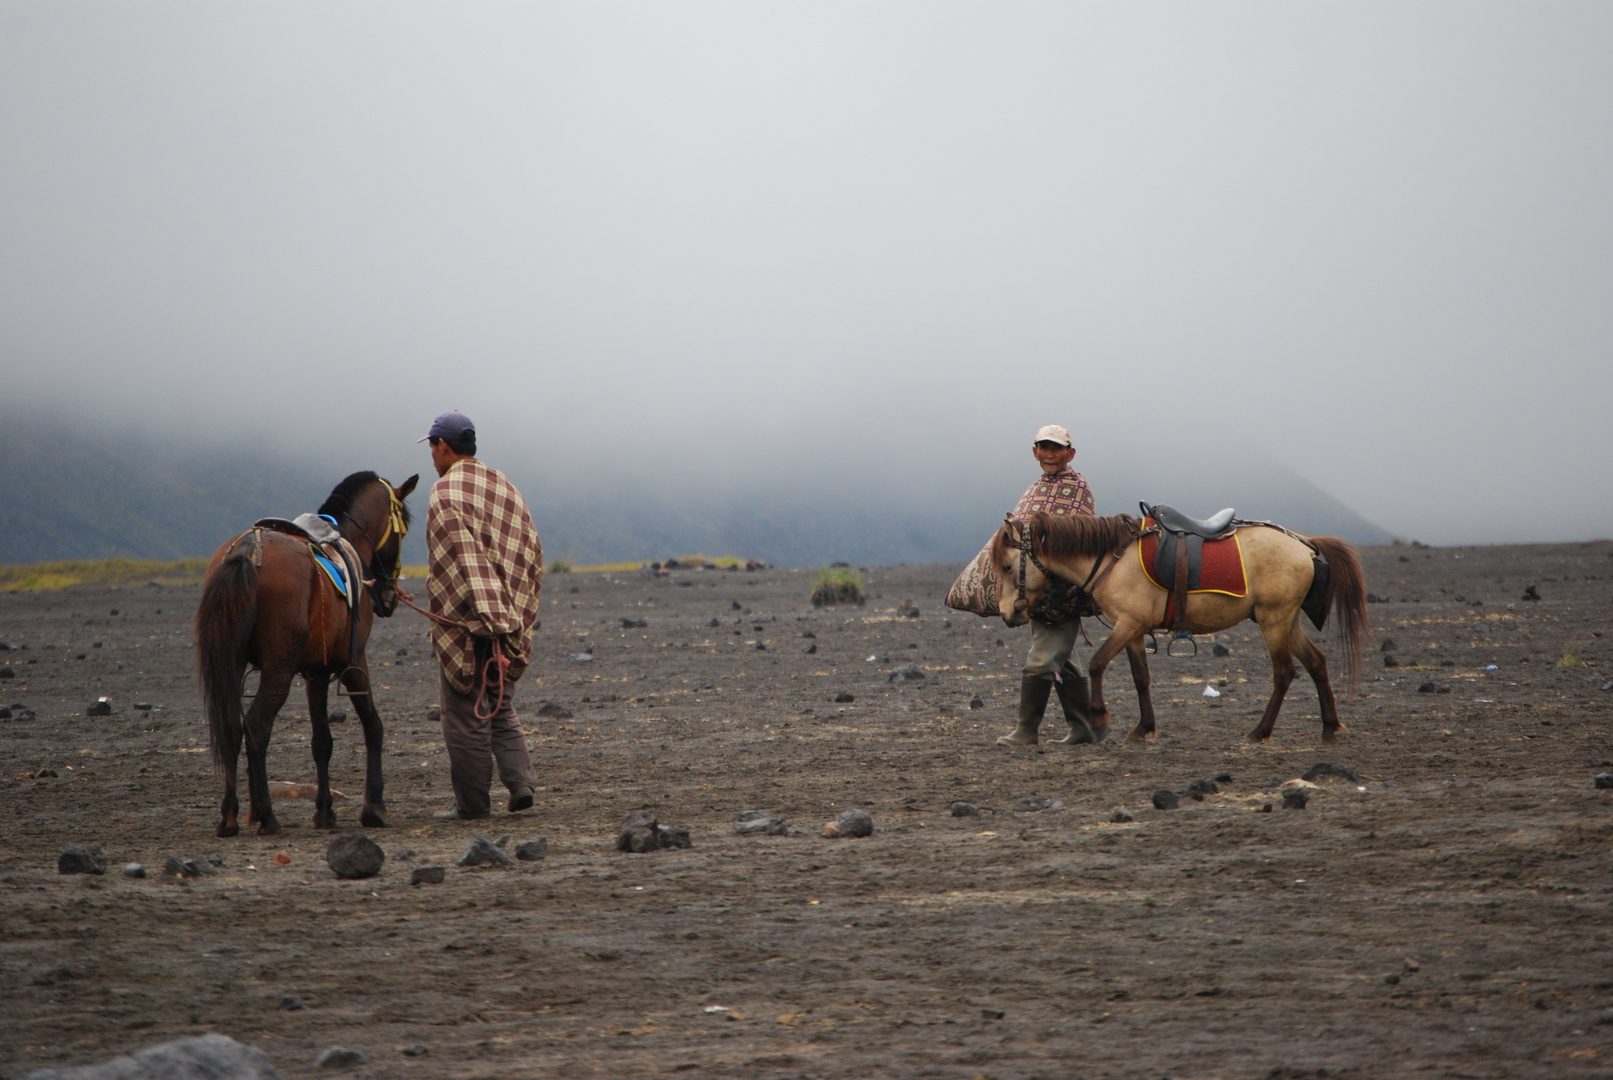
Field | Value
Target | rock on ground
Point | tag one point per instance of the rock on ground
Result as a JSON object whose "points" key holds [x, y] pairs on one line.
{"points": [[427, 875], [339, 1057], [757, 823], [850, 823], [640, 832], [673, 836], [210, 1057], [532, 850], [1331, 768], [81, 859], [906, 673], [1165, 799], [354, 856], [482, 853], [1295, 799], [963, 809]]}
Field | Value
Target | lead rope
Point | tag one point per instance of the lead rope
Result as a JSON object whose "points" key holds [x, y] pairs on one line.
{"points": [[494, 671]]}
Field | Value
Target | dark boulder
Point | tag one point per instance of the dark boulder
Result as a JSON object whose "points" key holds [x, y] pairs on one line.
{"points": [[354, 856]]}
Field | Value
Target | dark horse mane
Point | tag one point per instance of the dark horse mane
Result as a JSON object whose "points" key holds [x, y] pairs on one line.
{"points": [[341, 497], [1061, 535]]}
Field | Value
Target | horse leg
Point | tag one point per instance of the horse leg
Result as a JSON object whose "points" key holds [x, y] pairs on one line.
{"points": [[1117, 640], [1145, 700], [230, 750], [320, 740], [1316, 664], [1278, 634], [273, 688], [357, 680]]}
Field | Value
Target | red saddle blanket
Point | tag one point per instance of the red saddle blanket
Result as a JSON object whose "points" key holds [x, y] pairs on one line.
{"points": [[1221, 570]]}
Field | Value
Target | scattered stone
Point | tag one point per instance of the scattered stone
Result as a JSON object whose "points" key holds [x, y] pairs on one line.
{"points": [[1607, 685], [339, 1057], [810, 649], [482, 853], [758, 823], [906, 673], [1331, 768], [336, 716], [144, 706], [1120, 817], [1031, 804], [1531, 593], [580, 657], [1200, 788], [1606, 1016], [634, 624], [403, 855], [5, 712], [427, 875], [761, 646], [674, 836], [415, 1050], [1289, 785], [354, 856], [24, 715], [102, 707], [907, 610], [532, 850], [134, 870], [1219, 649], [640, 832], [1295, 799], [1387, 645], [850, 823], [290, 1003], [1223, 778], [714, 623], [1265, 808], [976, 703], [963, 809], [206, 1058], [503, 842], [1427, 688], [808, 634], [1392, 980], [434, 715], [7, 672], [81, 859], [1603, 780], [843, 698], [992, 1014], [1165, 799]]}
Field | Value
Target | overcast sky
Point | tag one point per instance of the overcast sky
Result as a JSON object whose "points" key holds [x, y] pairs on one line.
{"points": [[695, 245]]}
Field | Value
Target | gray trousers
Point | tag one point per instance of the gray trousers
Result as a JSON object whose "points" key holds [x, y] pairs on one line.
{"points": [[474, 745], [1051, 646]]}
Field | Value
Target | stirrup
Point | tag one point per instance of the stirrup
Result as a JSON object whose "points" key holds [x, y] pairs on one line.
{"points": [[1181, 635], [1152, 648]]}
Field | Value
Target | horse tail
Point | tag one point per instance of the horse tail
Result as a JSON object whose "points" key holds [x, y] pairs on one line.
{"points": [[1347, 597], [224, 622]]}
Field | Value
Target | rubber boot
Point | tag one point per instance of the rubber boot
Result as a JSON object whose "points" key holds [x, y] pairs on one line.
{"points": [[1033, 693], [1075, 694]]}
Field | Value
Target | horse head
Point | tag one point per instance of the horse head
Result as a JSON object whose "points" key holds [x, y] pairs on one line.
{"points": [[371, 513], [1019, 573]]}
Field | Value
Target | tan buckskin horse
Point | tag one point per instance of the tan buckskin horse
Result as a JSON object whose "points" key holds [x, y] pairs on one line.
{"points": [[1099, 555]]}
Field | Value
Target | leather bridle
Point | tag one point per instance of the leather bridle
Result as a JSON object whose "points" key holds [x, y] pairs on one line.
{"points": [[380, 578], [1027, 552]]}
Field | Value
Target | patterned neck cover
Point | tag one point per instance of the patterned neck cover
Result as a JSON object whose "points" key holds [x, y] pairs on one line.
{"points": [[1064, 493]]}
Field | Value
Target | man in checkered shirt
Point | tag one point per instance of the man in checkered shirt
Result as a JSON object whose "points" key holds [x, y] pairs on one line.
{"points": [[486, 568], [1059, 490]]}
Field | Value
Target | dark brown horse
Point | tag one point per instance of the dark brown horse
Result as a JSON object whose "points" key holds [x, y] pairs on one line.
{"points": [[268, 605]]}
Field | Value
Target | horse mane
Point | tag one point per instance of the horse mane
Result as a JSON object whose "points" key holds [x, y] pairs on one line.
{"points": [[1063, 535], [340, 500]]}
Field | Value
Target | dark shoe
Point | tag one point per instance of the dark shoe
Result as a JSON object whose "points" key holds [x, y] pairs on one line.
{"points": [[1075, 695], [521, 799], [1033, 693], [455, 815]]}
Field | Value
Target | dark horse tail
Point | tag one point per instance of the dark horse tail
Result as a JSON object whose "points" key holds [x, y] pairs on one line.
{"points": [[1347, 597], [224, 621]]}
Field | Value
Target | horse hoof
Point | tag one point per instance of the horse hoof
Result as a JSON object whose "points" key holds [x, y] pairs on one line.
{"points": [[1330, 737], [270, 827], [228, 828], [324, 821], [372, 819], [1256, 737]]}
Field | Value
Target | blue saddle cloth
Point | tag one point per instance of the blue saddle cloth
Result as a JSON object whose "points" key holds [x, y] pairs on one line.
{"points": [[334, 571]]}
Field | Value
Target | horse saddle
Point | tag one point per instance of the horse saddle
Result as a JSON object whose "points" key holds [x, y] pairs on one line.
{"points": [[331, 553], [1179, 557], [314, 527]]}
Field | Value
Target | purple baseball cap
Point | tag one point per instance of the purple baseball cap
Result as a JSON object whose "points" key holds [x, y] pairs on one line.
{"points": [[450, 425]]}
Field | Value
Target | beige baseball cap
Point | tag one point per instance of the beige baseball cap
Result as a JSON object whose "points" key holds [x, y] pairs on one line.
{"points": [[1053, 433]]}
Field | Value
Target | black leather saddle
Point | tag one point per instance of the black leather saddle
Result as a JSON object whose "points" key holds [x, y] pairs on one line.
{"points": [[1179, 556], [307, 526], [1214, 527]]}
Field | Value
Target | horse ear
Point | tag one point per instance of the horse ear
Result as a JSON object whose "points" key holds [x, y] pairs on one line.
{"points": [[408, 486], [1011, 524]]}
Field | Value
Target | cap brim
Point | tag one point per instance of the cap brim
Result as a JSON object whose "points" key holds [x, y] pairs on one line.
{"points": [[422, 438]]}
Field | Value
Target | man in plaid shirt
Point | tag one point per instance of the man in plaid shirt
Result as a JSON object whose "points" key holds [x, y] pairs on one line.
{"points": [[1059, 490], [486, 568]]}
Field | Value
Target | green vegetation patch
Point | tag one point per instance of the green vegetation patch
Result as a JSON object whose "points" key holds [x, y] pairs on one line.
{"points": [[837, 585], [63, 575]]}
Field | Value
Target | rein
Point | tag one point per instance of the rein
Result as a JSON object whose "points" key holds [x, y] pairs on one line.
{"points": [[492, 672], [1027, 550]]}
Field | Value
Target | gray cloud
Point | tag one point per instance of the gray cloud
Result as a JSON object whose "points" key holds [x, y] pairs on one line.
{"points": [[715, 246]]}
